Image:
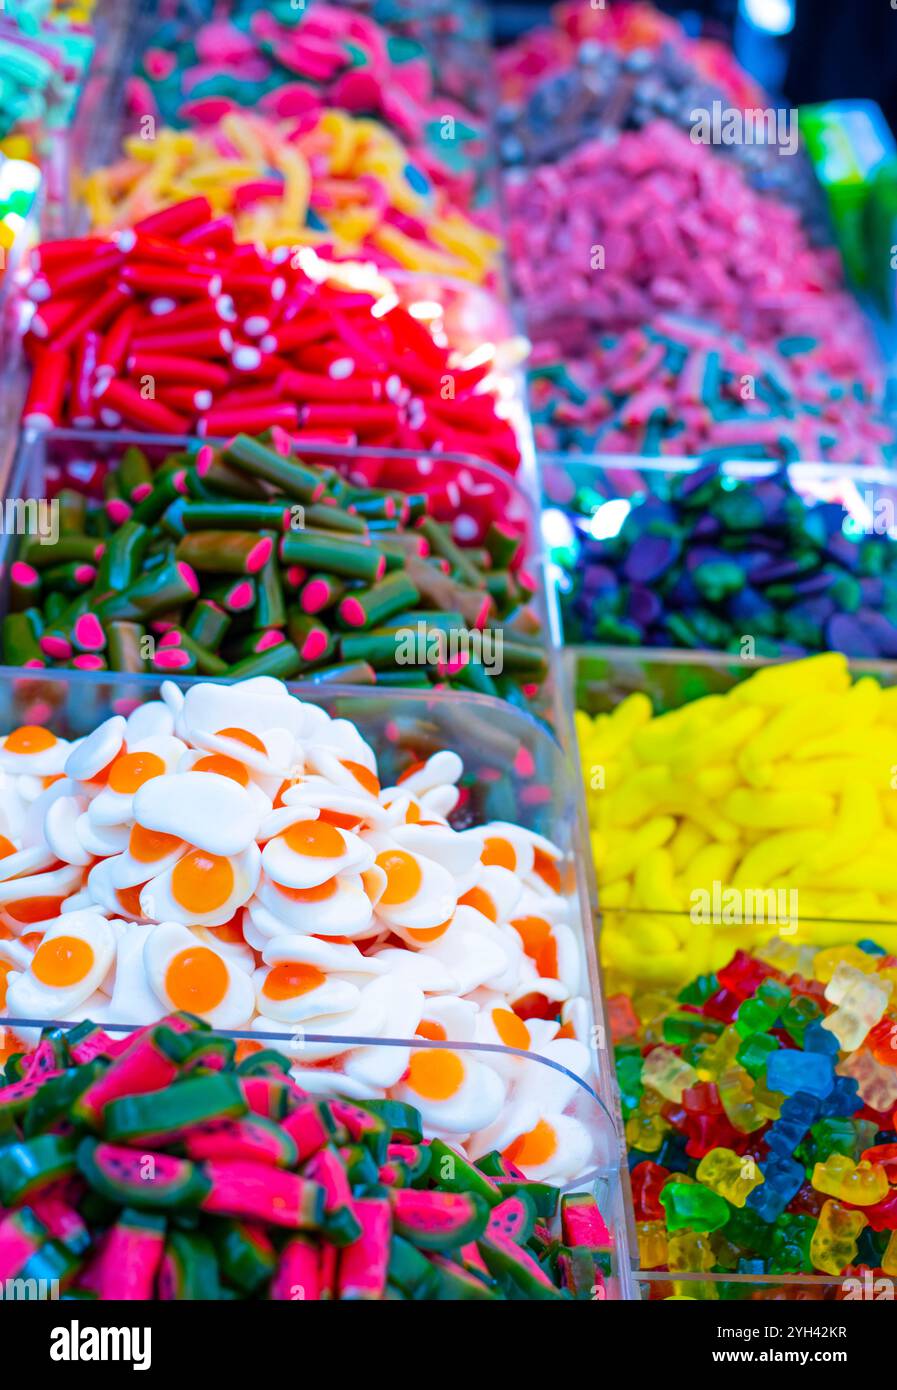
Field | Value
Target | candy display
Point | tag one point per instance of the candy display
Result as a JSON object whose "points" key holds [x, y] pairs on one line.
{"points": [[295, 60], [620, 67], [159, 1166], [355, 936], [194, 333], [229, 850], [249, 560], [324, 178], [704, 558], [770, 804], [760, 1117]]}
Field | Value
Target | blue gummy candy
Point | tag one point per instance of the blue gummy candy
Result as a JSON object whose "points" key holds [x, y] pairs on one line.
{"points": [[789, 1071]]}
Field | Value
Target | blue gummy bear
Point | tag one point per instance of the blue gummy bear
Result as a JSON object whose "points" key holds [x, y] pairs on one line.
{"points": [[819, 1039], [843, 1099], [782, 1178], [798, 1113], [789, 1071]]}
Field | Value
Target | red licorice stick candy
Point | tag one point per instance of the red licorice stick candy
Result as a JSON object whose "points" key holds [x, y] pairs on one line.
{"points": [[74, 277], [116, 340], [95, 313], [223, 421], [122, 399], [182, 370], [46, 393], [177, 219], [82, 407], [56, 255], [313, 387]]}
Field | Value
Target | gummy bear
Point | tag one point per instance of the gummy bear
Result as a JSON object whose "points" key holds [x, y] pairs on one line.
{"points": [[731, 1176], [877, 1084], [834, 1243], [652, 1243], [690, 1252], [666, 1072], [789, 1071], [792, 1237], [646, 1181], [692, 1206], [862, 1184], [783, 1178]]}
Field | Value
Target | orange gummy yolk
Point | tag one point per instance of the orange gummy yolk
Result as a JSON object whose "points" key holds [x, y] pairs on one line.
{"points": [[202, 882], [231, 931], [196, 980], [224, 766], [129, 898], [434, 1032], [403, 876], [499, 852], [364, 777], [6, 847], [131, 770], [4, 971], [63, 961], [34, 909], [412, 815], [480, 899], [319, 894], [534, 1148], [146, 846], [29, 738], [245, 737], [539, 944], [547, 870], [410, 771], [246, 1048], [344, 820], [315, 839], [290, 979], [511, 1029], [435, 1074]]}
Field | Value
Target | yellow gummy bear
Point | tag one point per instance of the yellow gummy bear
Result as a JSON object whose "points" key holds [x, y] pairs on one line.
{"points": [[730, 1175]]}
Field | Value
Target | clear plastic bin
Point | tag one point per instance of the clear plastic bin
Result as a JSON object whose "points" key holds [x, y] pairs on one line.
{"points": [[523, 1075], [513, 771], [585, 499], [49, 460], [645, 949]]}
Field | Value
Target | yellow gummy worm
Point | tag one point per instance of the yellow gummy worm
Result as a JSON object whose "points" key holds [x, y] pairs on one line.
{"points": [[777, 810]]}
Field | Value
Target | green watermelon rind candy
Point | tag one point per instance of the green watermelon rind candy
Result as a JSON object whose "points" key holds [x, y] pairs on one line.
{"points": [[34, 1164], [403, 1120], [410, 1270], [116, 1173], [517, 1273], [246, 1254], [543, 1196], [164, 1117], [189, 1269], [54, 1101], [455, 1173], [456, 1284], [438, 1220]]}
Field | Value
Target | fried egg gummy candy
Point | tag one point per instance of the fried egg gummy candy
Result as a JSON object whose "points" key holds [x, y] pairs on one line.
{"points": [[229, 852], [163, 1165]]}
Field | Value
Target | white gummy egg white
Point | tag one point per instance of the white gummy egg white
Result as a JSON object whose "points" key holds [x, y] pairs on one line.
{"points": [[419, 896], [366, 1020], [57, 883], [201, 888], [496, 893], [421, 969], [90, 755], [61, 830], [440, 769], [26, 861], [211, 812], [151, 720], [309, 852], [556, 1149], [69, 965], [338, 907], [187, 973], [305, 978], [32, 751], [384, 1065], [454, 1091], [254, 784], [13, 807], [456, 853], [320, 1081], [503, 845], [471, 955], [255, 706], [318, 794], [229, 941], [133, 1001], [448, 1018], [551, 963], [101, 840]]}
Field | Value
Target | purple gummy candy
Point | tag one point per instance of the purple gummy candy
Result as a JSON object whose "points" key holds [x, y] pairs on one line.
{"points": [[873, 592], [816, 584], [692, 482], [643, 606], [649, 558], [846, 552], [843, 633], [707, 528], [706, 555], [880, 631], [598, 579]]}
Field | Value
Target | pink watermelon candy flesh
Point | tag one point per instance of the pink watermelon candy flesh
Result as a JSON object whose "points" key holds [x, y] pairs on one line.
{"points": [[129, 1259], [268, 1096], [41, 1063], [253, 1139], [257, 1192], [363, 1265], [21, 1235], [328, 1259], [582, 1222], [341, 1223], [61, 1219], [97, 1044], [17, 1096], [140, 1068], [471, 1257], [298, 1275], [357, 1122], [513, 1217], [308, 1127], [438, 1220]]}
